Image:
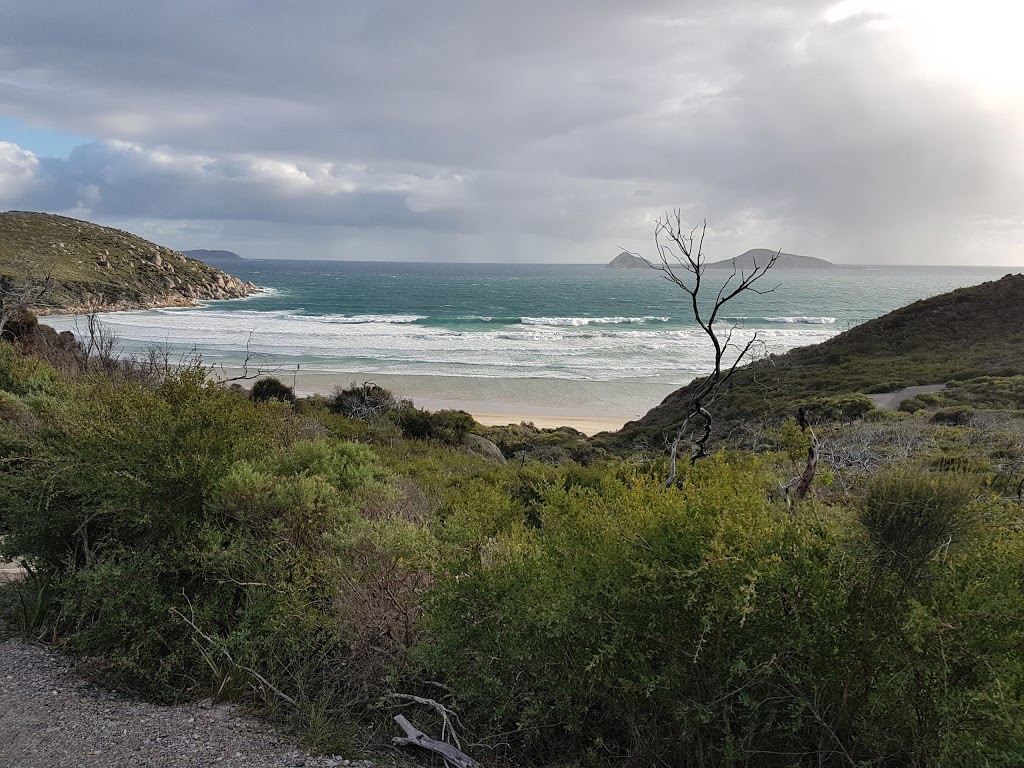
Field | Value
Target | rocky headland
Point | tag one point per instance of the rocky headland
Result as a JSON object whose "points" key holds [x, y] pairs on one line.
{"points": [[85, 267]]}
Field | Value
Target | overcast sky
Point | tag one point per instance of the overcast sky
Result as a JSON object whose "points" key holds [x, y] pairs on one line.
{"points": [[532, 131]]}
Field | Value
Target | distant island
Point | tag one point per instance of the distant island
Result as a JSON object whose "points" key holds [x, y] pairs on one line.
{"points": [[202, 254], [745, 261], [761, 256], [627, 260]]}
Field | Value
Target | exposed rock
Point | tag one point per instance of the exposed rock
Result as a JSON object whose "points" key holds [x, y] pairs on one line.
{"points": [[480, 446]]}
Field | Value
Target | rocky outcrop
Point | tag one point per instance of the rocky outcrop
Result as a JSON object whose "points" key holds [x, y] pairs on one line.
{"points": [[477, 445]]}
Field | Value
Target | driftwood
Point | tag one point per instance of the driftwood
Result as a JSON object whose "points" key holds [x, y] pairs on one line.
{"points": [[415, 737]]}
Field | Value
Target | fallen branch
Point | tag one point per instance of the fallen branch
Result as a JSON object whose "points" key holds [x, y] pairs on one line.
{"points": [[249, 670], [448, 717], [415, 737]]}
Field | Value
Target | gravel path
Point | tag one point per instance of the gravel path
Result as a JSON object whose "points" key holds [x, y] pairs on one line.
{"points": [[892, 400], [50, 718]]}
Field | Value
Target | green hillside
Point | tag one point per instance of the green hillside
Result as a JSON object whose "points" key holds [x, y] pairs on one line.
{"points": [[96, 267], [957, 336]]}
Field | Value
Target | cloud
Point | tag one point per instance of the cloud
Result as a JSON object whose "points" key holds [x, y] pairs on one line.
{"points": [[785, 124], [17, 171]]}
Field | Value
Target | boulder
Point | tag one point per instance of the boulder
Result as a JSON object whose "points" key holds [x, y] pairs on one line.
{"points": [[477, 445]]}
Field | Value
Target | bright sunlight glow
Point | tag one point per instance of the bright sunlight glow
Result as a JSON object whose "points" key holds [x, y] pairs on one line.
{"points": [[978, 42]]}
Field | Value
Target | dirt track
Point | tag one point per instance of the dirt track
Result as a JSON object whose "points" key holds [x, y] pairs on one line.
{"points": [[891, 400]]}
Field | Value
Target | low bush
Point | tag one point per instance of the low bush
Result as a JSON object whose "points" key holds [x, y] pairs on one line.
{"points": [[22, 375], [270, 388], [954, 417], [365, 402], [837, 408], [635, 624], [552, 446], [910, 517], [447, 426]]}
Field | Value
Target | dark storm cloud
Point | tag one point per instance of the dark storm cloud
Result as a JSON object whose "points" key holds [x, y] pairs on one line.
{"points": [[570, 121]]}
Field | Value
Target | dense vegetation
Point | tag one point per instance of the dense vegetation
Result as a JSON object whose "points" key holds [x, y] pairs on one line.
{"points": [[955, 337], [322, 558], [91, 266]]}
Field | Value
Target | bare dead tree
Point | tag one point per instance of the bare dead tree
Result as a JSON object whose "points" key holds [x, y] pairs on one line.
{"points": [[101, 344], [253, 366], [682, 262], [25, 292]]}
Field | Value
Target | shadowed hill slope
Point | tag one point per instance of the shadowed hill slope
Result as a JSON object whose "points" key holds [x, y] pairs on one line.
{"points": [[101, 268], [961, 335]]}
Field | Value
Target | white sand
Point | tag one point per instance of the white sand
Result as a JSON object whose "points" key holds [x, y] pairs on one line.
{"points": [[590, 407]]}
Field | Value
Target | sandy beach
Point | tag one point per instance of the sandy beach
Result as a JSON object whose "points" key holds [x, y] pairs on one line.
{"points": [[589, 407], [497, 414]]}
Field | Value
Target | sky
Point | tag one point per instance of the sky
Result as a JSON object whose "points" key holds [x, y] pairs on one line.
{"points": [[863, 131]]}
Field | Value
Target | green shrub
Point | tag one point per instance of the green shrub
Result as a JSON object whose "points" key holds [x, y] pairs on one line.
{"points": [[25, 375], [837, 408], [954, 417], [635, 624], [271, 388], [910, 517], [365, 402], [884, 415], [578, 615], [448, 426], [551, 446]]}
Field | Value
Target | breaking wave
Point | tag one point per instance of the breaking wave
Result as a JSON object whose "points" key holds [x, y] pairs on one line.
{"points": [[576, 321]]}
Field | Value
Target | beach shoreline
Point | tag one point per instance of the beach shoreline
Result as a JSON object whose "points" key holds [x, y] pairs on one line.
{"points": [[589, 407]]}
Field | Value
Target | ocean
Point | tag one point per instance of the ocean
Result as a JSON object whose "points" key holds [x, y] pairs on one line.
{"points": [[580, 337]]}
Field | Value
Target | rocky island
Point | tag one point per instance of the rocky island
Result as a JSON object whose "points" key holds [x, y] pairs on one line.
{"points": [[627, 260], [761, 256], [745, 261], [87, 267]]}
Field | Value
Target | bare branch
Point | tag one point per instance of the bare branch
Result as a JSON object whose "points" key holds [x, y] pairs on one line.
{"points": [[25, 292], [253, 366], [681, 261]]}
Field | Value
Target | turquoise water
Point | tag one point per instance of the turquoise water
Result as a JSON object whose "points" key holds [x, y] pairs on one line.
{"points": [[628, 331]]}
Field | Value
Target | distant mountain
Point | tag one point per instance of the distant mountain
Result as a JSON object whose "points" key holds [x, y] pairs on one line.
{"points": [[100, 268], [745, 261], [626, 260], [202, 254]]}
